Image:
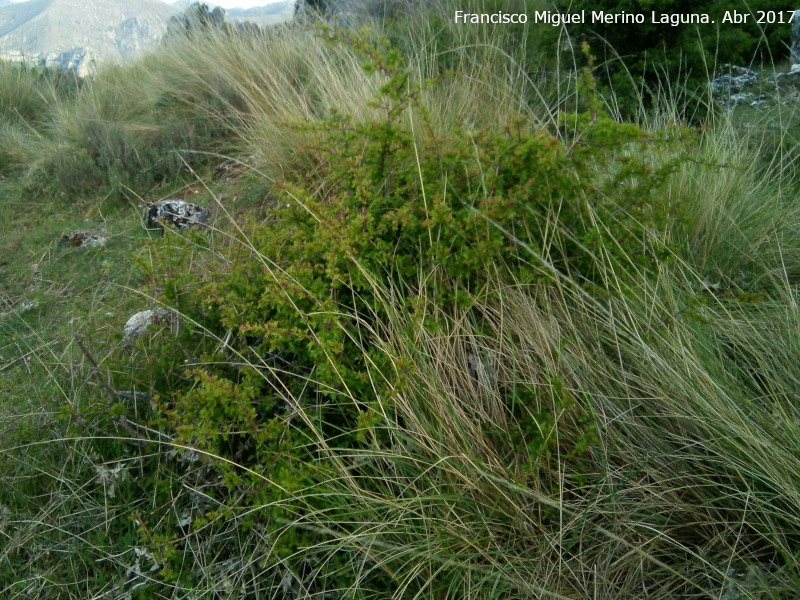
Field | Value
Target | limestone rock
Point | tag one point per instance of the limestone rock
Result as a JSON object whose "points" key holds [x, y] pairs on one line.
{"points": [[790, 79], [178, 213], [84, 239], [139, 323], [734, 80], [196, 18], [741, 98]]}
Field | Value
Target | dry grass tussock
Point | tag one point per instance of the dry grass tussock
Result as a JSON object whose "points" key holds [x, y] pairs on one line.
{"points": [[287, 78], [686, 480]]}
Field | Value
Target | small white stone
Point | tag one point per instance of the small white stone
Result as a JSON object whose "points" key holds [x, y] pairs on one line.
{"points": [[137, 325]]}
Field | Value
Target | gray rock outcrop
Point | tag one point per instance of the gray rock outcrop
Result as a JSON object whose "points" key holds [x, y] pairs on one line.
{"points": [[734, 80], [739, 86], [196, 18], [177, 213], [84, 239], [787, 80]]}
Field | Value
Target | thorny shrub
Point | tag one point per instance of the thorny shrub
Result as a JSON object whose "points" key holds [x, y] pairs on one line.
{"points": [[396, 207]]}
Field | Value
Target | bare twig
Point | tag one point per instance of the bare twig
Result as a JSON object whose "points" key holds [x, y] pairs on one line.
{"points": [[112, 393]]}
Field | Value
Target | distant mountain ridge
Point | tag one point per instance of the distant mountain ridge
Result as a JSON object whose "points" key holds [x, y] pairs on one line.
{"points": [[269, 14], [78, 34], [81, 34], [275, 8], [281, 9]]}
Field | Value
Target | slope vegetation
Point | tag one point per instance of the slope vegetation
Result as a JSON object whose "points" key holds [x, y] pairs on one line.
{"points": [[456, 329]]}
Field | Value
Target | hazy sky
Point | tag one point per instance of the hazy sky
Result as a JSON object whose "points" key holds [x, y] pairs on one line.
{"points": [[235, 3], [222, 3]]}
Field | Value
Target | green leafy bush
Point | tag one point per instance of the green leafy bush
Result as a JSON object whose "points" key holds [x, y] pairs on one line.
{"points": [[295, 296], [424, 213]]}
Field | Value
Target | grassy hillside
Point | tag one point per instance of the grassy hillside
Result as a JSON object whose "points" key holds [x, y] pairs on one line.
{"points": [[456, 330]]}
